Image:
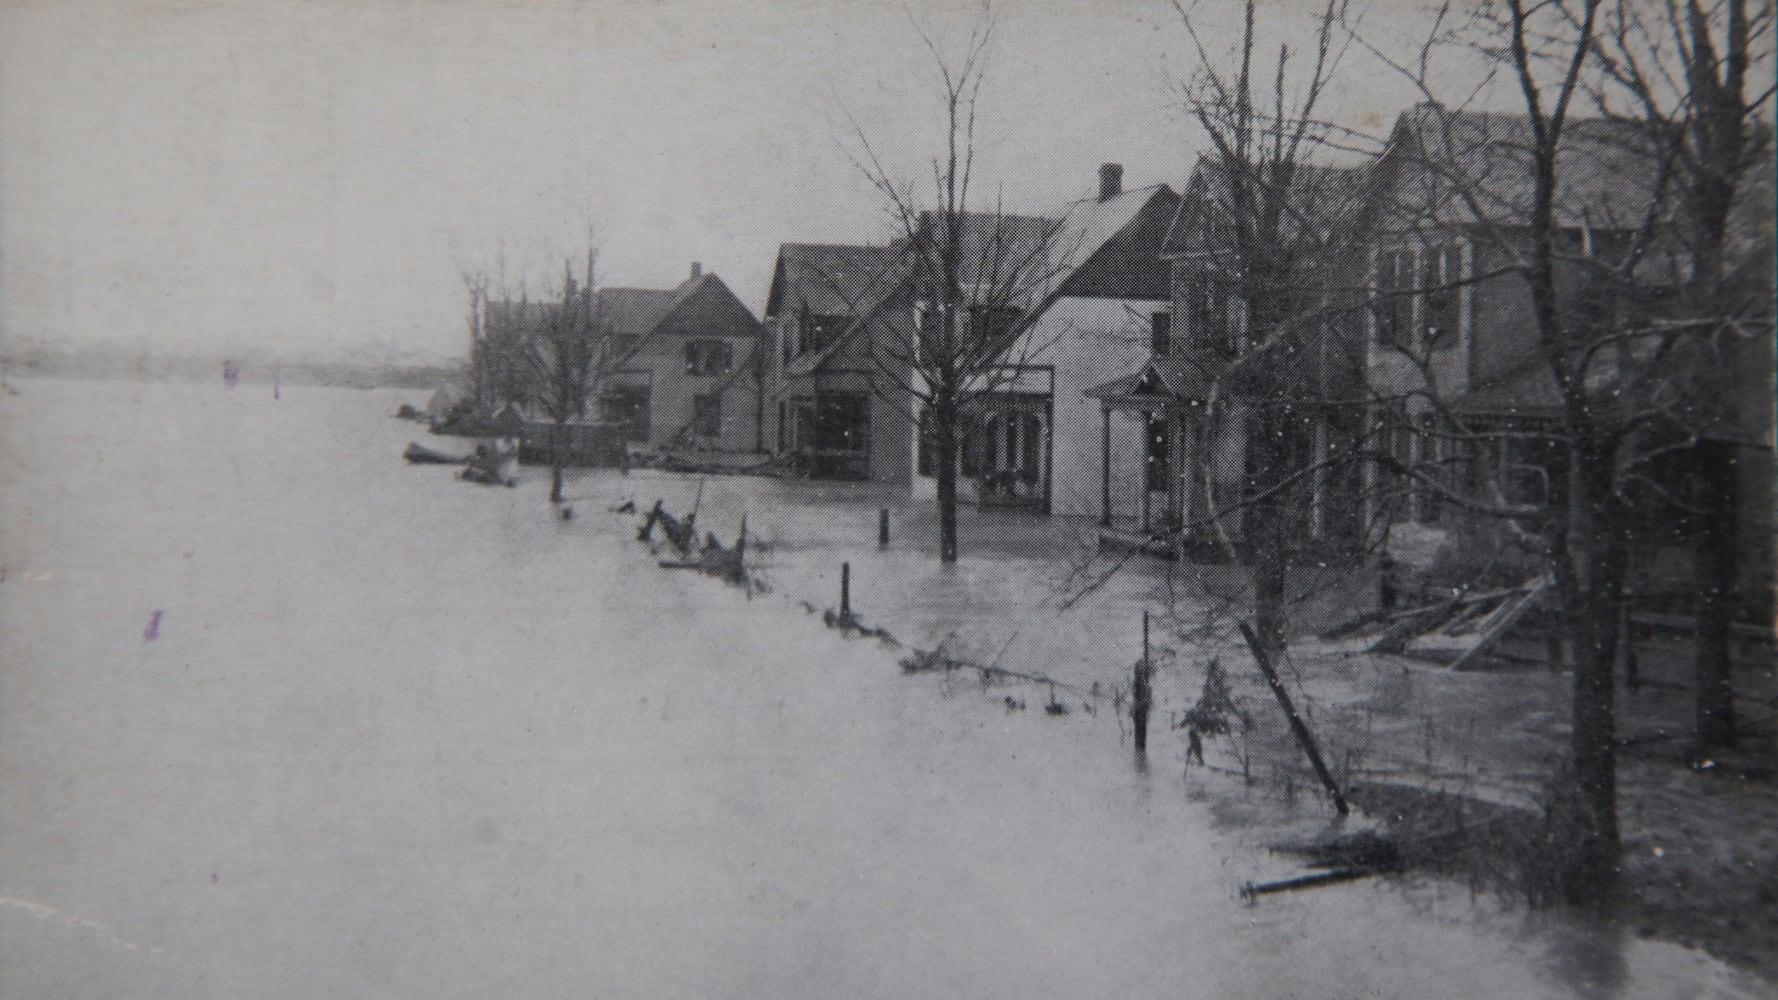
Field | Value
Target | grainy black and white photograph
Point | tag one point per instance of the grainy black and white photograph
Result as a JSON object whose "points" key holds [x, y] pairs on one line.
{"points": [[888, 499]]}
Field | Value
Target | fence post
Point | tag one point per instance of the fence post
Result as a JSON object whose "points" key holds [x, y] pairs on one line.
{"points": [[883, 528], [1140, 697], [845, 591]]}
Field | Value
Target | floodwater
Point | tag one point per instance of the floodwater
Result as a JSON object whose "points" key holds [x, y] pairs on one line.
{"points": [[283, 717]]}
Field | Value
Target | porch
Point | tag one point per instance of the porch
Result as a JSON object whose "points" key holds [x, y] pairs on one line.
{"points": [[1005, 445], [1165, 459]]}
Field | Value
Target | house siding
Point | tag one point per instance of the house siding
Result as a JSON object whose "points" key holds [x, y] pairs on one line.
{"points": [[709, 312], [1091, 341]]}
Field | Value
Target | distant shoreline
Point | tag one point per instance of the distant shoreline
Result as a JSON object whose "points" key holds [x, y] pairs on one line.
{"points": [[344, 375]]}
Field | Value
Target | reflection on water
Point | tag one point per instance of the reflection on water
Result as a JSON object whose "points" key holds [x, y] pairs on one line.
{"points": [[1589, 957]]}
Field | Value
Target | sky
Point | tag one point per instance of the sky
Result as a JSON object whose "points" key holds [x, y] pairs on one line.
{"points": [[312, 180]]}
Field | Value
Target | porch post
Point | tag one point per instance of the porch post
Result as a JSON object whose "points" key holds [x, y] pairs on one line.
{"points": [[1175, 465], [1188, 468], [1142, 475], [1105, 473], [1372, 477]]}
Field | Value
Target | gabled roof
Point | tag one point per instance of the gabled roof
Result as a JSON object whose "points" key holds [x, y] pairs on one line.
{"points": [[1111, 248], [638, 312], [633, 312], [997, 250], [1328, 198], [833, 279], [1094, 247], [1458, 167]]}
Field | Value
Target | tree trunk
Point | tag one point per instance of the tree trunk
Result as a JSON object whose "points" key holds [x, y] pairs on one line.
{"points": [[1595, 555], [555, 462], [1716, 572], [1268, 552], [944, 416]]}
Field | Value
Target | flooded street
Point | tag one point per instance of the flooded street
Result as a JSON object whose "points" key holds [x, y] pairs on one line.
{"points": [[283, 717]]}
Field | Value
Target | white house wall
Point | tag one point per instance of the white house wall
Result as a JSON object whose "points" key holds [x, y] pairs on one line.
{"points": [[1090, 342]]}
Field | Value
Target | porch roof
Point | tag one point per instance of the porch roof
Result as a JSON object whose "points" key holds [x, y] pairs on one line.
{"points": [[1161, 382]]}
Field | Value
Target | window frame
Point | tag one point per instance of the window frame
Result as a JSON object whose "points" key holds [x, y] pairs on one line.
{"points": [[1407, 283], [1160, 334], [702, 355]]}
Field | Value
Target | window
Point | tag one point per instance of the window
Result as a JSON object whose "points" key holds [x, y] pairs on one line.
{"points": [[923, 449], [1395, 299], [708, 357], [706, 415], [1418, 297], [1209, 322], [1434, 459], [627, 407], [816, 332], [1031, 437], [1443, 273], [990, 325], [783, 425], [1160, 334]]}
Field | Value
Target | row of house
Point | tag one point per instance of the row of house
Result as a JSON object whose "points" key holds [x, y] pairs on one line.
{"points": [[1120, 397], [1111, 396]]}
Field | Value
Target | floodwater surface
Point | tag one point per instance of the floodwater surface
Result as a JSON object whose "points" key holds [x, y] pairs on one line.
{"points": [[281, 716]]}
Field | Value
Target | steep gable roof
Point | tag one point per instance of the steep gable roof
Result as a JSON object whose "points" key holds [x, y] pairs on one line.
{"points": [[633, 312], [997, 250], [1456, 167], [638, 312], [833, 279], [1324, 197], [1094, 247], [1111, 248]]}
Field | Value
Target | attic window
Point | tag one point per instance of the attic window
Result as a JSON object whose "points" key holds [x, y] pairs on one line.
{"points": [[708, 357]]}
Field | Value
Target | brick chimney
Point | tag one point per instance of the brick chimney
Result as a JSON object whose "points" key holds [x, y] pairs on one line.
{"points": [[697, 270], [1111, 180]]}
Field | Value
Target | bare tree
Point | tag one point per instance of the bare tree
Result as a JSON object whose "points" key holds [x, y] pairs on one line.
{"points": [[1267, 277], [968, 276], [561, 362], [476, 284], [1610, 222], [1689, 73]]}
